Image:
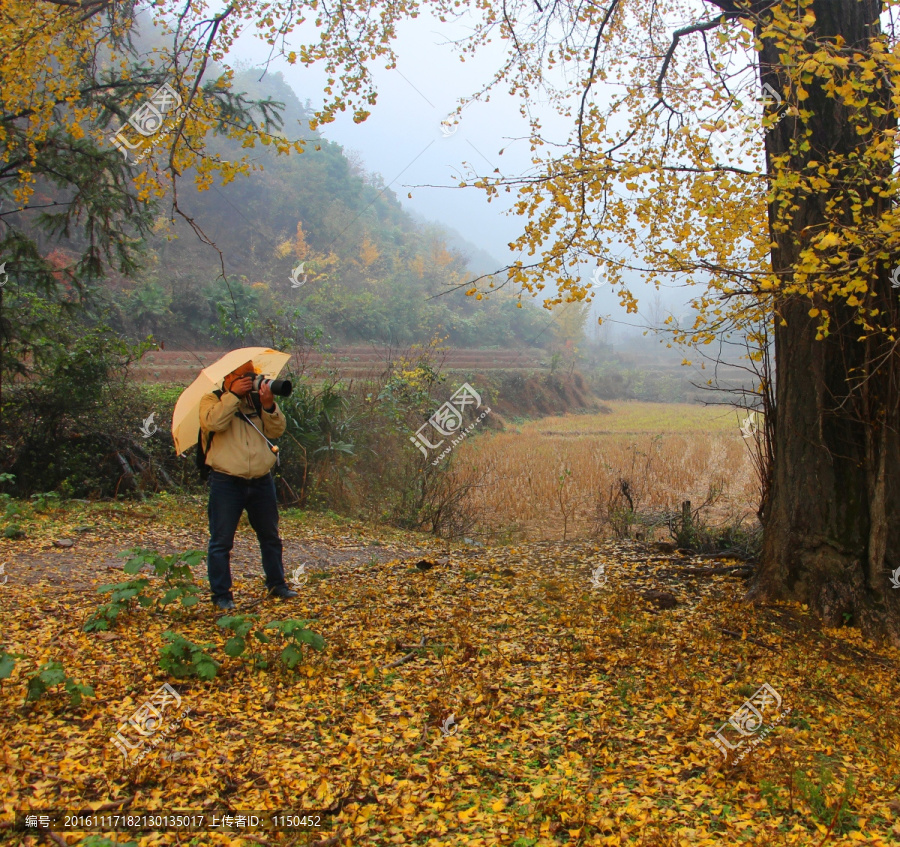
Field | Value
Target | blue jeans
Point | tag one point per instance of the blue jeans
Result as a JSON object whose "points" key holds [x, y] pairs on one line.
{"points": [[228, 497]]}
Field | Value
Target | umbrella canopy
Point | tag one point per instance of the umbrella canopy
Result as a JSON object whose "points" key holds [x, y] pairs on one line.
{"points": [[186, 417]]}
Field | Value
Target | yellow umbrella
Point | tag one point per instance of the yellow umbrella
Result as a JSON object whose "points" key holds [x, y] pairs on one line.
{"points": [[186, 417]]}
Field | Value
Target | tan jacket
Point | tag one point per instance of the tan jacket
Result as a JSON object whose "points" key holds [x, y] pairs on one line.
{"points": [[238, 449]]}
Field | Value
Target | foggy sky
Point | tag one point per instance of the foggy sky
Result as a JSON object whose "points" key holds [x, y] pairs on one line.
{"points": [[403, 140]]}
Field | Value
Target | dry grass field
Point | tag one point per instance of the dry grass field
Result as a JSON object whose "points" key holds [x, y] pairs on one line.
{"points": [[555, 478], [552, 479]]}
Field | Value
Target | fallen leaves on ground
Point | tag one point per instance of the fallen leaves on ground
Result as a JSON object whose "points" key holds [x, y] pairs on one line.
{"points": [[542, 709]]}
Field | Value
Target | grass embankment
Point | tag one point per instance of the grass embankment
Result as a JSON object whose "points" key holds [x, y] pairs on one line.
{"points": [[580, 716]]}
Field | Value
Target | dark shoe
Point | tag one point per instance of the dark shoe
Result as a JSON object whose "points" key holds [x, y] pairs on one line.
{"points": [[226, 604], [283, 592]]}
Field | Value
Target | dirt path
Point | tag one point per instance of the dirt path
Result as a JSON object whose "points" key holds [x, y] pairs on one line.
{"points": [[95, 537], [92, 557]]}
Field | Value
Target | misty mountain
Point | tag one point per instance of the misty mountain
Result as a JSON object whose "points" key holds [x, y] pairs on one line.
{"points": [[317, 242]]}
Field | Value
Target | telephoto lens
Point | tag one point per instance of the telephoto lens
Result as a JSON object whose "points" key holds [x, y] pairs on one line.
{"points": [[279, 387]]}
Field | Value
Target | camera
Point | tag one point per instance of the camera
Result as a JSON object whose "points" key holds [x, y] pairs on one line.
{"points": [[279, 387]]}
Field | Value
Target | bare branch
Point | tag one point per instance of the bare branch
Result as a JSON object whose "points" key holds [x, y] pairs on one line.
{"points": [[590, 80], [679, 34]]}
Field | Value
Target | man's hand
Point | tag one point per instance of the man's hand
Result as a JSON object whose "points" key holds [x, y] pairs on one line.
{"points": [[241, 387], [266, 398]]}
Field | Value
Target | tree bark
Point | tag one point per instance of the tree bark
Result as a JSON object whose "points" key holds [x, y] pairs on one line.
{"points": [[831, 533]]}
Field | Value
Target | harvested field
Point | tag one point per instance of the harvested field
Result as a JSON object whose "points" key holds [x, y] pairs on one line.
{"points": [[553, 478]]}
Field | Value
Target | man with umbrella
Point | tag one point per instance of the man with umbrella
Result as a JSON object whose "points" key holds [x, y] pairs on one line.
{"points": [[236, 427]]}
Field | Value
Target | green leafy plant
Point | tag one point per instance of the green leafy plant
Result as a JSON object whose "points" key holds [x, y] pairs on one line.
{"points": [[182, 658], [319, 432], [7, 663], [52, 674], [298, 634], [45, 501], [175, 569], [241, 626], [66, 422], [319, 420], [10, 507], [123, 595]]}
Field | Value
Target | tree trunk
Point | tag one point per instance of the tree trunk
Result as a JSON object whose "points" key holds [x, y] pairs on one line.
{"points": [[831, 530]]}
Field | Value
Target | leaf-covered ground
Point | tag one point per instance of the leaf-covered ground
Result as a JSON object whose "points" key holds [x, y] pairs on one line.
{"points": [[580, 711]]}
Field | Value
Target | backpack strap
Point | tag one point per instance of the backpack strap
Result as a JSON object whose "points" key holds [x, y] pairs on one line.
{"points": [[202, 451]]}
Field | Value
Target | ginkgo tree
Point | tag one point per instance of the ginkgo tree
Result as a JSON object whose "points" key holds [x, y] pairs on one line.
{"points": [[745, 149], [781, 216], [94, 131], [107, 105]]}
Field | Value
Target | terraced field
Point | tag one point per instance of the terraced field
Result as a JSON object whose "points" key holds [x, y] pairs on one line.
{"points": [[180, 367]]}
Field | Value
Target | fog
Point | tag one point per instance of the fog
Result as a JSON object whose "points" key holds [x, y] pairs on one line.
{"points": [[405, 142]]}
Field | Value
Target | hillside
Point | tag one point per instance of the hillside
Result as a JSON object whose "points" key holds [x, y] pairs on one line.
{"points": [[366, 270]]}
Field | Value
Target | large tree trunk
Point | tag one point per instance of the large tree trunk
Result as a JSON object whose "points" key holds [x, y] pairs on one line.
{"points": [[831, 530]]}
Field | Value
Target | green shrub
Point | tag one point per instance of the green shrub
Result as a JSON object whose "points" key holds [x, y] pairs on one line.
{"points": [[52, 674], [297, 634], [64, 423], [175, 570], [182, 658], [45, 501], [319, 433]]}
